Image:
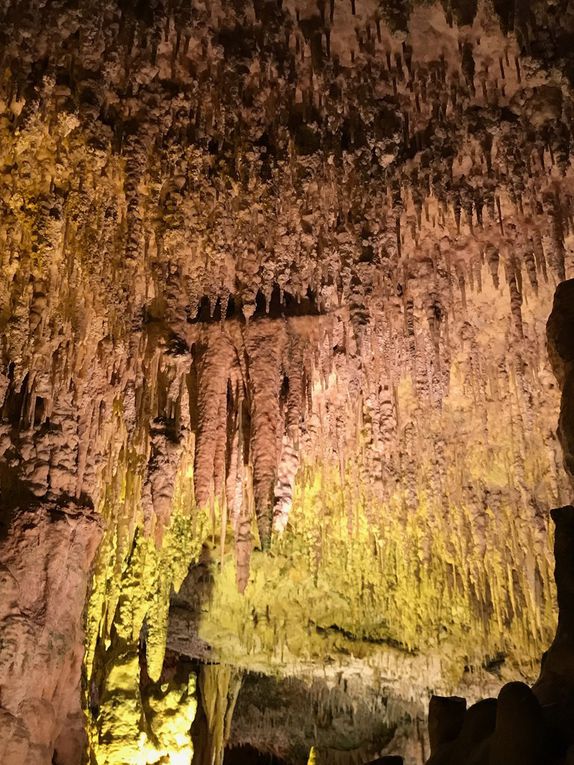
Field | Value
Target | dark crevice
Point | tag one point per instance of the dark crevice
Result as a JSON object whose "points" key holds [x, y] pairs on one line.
{"points": [[281, 305]]}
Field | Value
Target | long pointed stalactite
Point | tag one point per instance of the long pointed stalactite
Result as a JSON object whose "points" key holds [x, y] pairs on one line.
{"points": [[265, 348], [219, 686], [213, 359]]}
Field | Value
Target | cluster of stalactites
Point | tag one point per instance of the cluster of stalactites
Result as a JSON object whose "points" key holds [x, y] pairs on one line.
{"points": [[219, 685], [250, 391]]}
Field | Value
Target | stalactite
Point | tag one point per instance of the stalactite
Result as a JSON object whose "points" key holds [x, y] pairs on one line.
{"points": [[134, 149], [516, 305], [214, 354], [238, 483], [531, 268], [557, 238], [132, 587], [235, 456], [289, 448], [160, 182], [219, 687], [283, 491], [264, 350], [166, 453]]}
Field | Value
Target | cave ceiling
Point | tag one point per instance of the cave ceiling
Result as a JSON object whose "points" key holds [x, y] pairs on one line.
{"points": [[274, 384]]}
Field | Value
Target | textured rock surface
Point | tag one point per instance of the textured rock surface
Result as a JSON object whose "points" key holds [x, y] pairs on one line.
{"points": [[523, 726], [561, 347], [276, 275], [293, 713], [531, 725], [45, 561]]}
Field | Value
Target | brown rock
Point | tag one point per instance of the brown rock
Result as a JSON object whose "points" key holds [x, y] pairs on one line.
{"points": [[471, 745], [446, 717], [560, 333], [560, 326], [44, 575], [519, 734]]}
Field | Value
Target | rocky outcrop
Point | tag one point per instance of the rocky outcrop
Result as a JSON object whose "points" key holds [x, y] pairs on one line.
{"points": [[44, 571], [560, 332]]}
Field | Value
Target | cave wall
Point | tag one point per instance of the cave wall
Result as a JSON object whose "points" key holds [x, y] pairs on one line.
{"points": [[46, 557], [561, 350], [525, 725], [270, 267]]}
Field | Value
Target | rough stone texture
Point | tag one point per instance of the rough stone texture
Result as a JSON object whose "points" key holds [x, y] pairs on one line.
{"points": [[183, 183], [292, 715], [523, 726], [560, 332], [533, 726], [45, 561]]}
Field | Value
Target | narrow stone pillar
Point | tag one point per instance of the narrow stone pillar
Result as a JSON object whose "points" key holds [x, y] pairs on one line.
{"points": [[519, 735], [446, 716]]}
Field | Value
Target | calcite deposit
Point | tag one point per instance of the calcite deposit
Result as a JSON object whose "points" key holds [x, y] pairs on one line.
{"points": [[276, 400], [44, 576]]}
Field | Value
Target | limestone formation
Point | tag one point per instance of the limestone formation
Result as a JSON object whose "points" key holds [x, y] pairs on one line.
{"points": [[561, 348], [276, 396], [45, 560], [523, 725], [536, 725]]}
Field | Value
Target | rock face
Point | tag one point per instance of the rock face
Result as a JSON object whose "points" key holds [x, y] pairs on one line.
{"points": [[45, 562], [273, 285], [523, 726], [528, 726], [561, 347]]}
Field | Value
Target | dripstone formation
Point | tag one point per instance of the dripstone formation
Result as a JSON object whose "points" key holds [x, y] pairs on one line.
{"points": [[278, 414], [527, 725], [524, 725]]}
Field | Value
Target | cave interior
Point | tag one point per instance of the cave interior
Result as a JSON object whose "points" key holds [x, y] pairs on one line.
{"points": [[286, 382]]}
